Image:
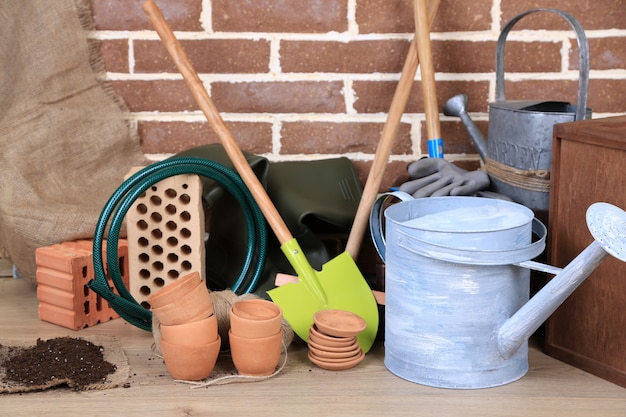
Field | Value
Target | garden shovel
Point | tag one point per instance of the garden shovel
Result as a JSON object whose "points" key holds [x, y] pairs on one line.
{"points": [[339, 284]]}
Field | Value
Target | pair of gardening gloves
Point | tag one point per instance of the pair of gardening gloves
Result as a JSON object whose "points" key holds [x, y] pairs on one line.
{"points": [[434, 177]]}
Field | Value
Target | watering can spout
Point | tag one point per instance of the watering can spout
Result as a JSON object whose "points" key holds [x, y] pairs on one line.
{"points": [[457, 107], [607, 224]]}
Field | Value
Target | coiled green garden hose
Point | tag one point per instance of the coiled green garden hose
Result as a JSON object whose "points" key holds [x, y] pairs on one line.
{"points": [[122, 199]]}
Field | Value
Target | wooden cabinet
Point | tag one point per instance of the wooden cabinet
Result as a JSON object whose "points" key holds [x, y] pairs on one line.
{"points": [[588, 165]]}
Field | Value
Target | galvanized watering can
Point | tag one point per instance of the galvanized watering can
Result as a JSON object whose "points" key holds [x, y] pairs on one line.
{"points": [[457, 278], [518, 153]]}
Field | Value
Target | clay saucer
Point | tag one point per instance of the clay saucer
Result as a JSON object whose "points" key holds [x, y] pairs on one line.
{"points": [[326, 355], [333, 349], [337, 366], [339, 323], [331, 341]]}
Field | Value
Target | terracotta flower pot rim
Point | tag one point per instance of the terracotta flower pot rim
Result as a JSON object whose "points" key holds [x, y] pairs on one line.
{"points": [[175, 290], [201, 331], [246, 308], [265, 324]]}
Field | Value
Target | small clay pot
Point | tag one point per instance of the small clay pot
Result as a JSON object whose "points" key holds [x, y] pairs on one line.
{"points": [[255, 357], [255, 318], [199, 332], [190, 363], [175, 290], [194, 305]]}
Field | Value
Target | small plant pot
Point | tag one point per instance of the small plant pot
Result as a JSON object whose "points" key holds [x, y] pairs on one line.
{"points": [[255, 357], [173, 292], [189, 362], [255, 318], [194, 305], [198, 332]]}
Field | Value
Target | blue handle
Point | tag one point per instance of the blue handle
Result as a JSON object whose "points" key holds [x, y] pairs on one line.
{"points": [[435, 148]]}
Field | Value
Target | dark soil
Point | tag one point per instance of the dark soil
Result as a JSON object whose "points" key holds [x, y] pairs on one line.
{"points": [[77, 361]]}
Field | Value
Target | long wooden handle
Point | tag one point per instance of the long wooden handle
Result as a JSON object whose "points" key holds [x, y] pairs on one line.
{"points": [[388, 137], [427, 69], [227, 139]]}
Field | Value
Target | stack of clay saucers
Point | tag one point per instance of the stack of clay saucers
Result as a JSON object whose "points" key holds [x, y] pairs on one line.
{"points": [[333, 343]]}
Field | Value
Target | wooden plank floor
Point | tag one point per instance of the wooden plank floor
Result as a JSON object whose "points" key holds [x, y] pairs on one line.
{"points": [[551, 388]]}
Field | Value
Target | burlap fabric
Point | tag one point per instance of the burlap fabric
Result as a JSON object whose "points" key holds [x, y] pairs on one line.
{"points": [[65, 143], [112, 352]]}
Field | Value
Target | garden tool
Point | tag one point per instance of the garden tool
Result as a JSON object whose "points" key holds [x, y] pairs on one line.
{"points": [[424, 50], [339, 284], [390, 131]]}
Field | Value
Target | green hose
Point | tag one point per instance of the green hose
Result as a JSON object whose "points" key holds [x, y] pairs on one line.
{"points": [[124, 197]]}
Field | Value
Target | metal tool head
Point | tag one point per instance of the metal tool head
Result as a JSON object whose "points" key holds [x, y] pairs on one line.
{"points": [[339, 285], [607, 224]]}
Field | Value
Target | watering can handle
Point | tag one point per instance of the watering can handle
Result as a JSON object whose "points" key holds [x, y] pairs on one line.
{"points": [[583, 61], [377, 219]]}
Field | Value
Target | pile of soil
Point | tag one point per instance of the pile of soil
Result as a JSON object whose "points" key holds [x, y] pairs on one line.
{"points": [[64, 360]]}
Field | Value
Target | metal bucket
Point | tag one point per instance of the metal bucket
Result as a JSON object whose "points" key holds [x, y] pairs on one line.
{"points": [[519, 148], [451, 284]]}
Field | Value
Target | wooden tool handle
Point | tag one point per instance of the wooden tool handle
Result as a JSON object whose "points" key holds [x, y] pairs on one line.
{"points": [[427, 70], [390, 131], [205, 103]]}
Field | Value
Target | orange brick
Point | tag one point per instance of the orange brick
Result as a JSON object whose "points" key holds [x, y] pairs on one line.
{"points": [[63, 272]]}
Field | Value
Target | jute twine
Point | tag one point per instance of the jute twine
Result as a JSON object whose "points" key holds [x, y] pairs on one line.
{"points": [[533, 180], [222, 303]]}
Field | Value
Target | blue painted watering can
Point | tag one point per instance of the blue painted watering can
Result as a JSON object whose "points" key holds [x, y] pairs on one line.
{"points": [[457, 278]]}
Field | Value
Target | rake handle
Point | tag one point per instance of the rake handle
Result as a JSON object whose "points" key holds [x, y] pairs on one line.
{"points": [[224, 134], [424, 50], [389, 134]]}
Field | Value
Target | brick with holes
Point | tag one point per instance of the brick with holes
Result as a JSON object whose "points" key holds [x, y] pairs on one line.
{"points": [[63, 272], [165, 233]]}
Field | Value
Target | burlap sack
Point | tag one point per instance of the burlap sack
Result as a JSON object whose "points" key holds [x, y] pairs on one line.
{"points": [[65, 143]]}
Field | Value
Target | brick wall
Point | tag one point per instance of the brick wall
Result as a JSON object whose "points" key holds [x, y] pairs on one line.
{"points": [[299, 79]]}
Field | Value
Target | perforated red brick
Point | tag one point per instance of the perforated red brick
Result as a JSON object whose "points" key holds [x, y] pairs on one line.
{"points": [[63, 272], [165, 232]]}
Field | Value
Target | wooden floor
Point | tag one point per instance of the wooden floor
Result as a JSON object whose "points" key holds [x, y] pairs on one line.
{"points": [[551, 388]]}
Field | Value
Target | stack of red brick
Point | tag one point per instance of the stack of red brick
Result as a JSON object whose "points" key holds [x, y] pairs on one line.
{"points": [[63, 272]]}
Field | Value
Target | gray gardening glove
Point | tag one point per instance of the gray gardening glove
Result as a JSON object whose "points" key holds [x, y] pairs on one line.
{"points": [[433, 177]]}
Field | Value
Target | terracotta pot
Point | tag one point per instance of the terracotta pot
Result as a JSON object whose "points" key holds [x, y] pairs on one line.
{"points": [[255, 318], [197, 332], [255, 357], [194, 305], [175, 291], [190, 363]]}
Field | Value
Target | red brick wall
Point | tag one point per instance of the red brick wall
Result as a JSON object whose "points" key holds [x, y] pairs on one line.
{"points": [[308, 79]]}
